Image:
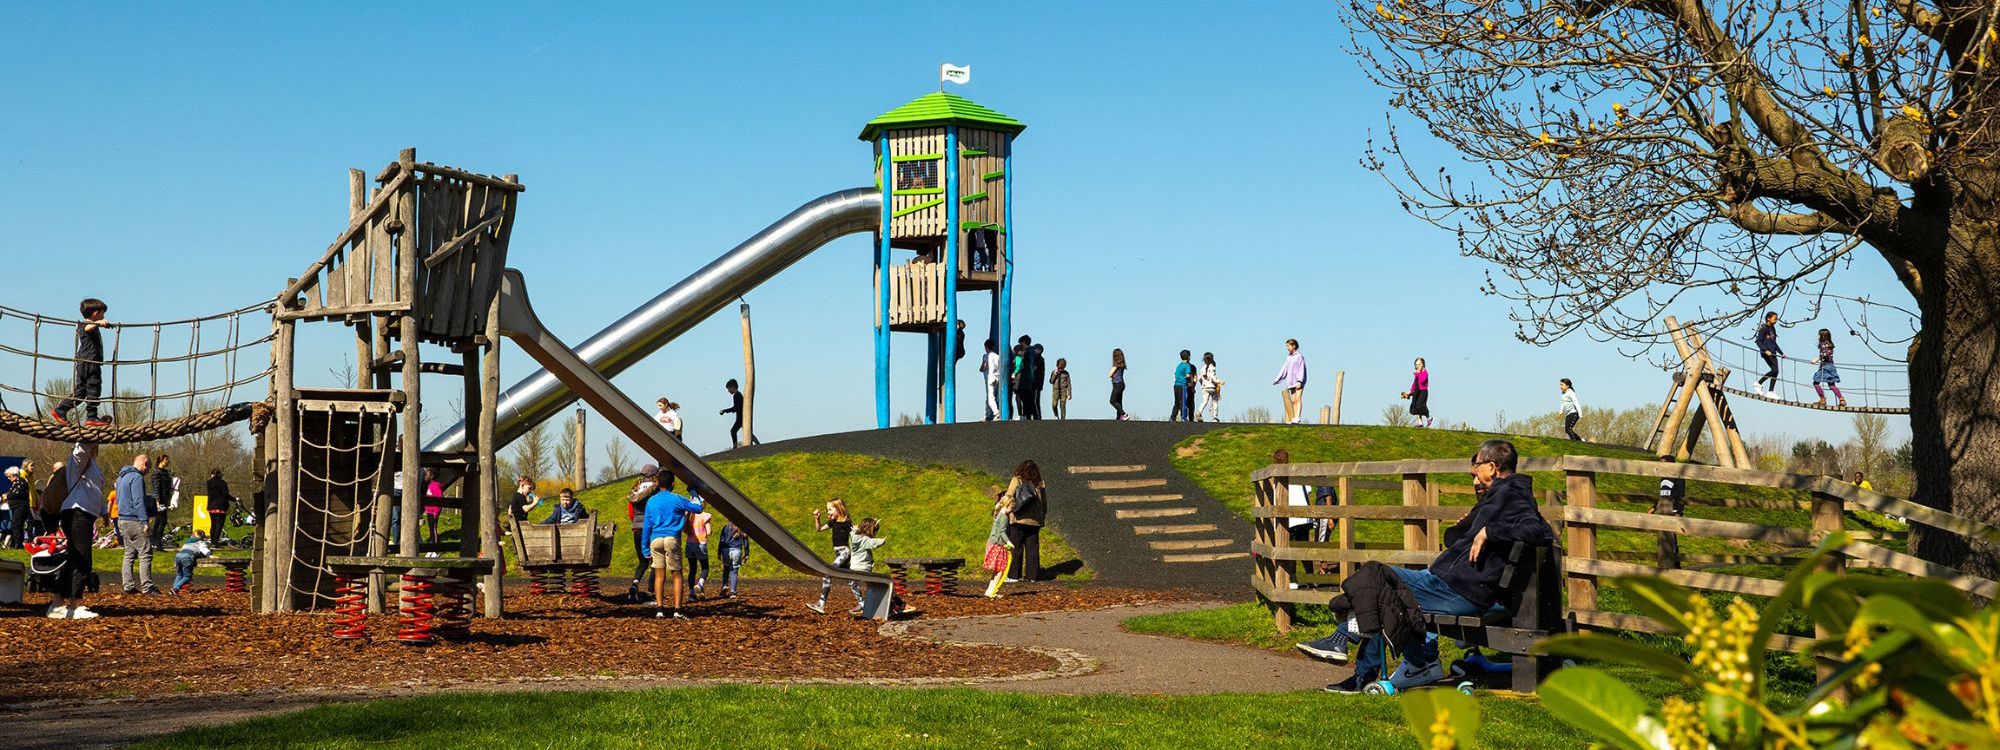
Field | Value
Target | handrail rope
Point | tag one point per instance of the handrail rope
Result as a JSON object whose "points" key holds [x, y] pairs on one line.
{"points": [[1843, 365], [113, 399], [12, 312], [266, 338]]}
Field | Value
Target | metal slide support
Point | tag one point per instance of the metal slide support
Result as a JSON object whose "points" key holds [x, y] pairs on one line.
{"points": [[951, 232], [676, 311], [884, 260], [519, 323]]}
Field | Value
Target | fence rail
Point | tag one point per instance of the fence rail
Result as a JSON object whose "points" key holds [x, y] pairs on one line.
{"points": [[1284, 564]]}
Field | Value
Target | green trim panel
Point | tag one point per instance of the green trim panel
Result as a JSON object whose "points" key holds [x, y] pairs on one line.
{"points": [[921, 191], [991, 176], [971, 152], [974, 198], [982, 225], [915, 208], [917, 157]]}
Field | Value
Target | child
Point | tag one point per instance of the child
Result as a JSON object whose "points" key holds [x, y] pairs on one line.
{"points": [[1210, 381], [697, 550], [432, 489], [735, 551], [736, 408], [669, 416], [1419, 394], [642, 493], [999, 550], [1572, 410], [1117, 376], [87, 384], [1767, 347], [842, 528], [1827, 375], [196, 548], [1059, 382], [861, 548]]}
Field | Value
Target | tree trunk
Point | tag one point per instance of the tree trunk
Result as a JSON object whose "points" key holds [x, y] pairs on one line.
{"points": [[1955, 391]]}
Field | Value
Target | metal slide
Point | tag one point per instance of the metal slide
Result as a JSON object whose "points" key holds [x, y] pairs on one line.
{"points": [[641, 332], [518, 322]]}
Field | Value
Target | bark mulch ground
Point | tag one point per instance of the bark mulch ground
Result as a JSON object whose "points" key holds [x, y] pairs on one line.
{"points": [[152, 646]]}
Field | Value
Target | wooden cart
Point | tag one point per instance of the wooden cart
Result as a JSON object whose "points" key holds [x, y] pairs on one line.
{"points": [[549, 552]]}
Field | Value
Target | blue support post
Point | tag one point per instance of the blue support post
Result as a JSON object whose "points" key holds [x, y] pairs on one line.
{"points": [[882, 261], [1005, 294], [951, 193]]}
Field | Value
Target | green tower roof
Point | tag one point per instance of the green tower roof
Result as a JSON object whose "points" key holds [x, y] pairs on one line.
{"points": [[939, 108]]}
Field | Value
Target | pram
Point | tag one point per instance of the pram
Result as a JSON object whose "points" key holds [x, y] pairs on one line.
{"points": [[48, 557]]}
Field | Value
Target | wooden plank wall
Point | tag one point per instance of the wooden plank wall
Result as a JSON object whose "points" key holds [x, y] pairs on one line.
{"points": [[928, 222], [972, 171], [917, 294]]}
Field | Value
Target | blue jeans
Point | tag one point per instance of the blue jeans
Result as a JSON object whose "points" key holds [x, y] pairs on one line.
{"points": [[732, 563], [1433, 596], [183, 569]]}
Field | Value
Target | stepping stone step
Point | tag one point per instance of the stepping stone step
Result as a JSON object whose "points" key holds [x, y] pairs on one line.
{"points": [[1119, 469], [1125, 484], [1174, 528], [1200, 557], [1154, 512], [1125, 499], [1189, 544]]}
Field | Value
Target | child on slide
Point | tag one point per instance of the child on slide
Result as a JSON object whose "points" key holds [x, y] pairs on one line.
{"points": [[999, 550]]}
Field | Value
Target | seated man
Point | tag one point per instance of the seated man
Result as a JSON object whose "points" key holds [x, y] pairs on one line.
{"points": [[1464, 579], [568, 510]]}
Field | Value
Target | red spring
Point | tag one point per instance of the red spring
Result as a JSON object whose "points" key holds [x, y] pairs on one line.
{"points": [[350, 621], [583, 583], [545, 582], [933, 582], [234, 581], [896, 581], [949, 581], [455, 609], [419, 610]]}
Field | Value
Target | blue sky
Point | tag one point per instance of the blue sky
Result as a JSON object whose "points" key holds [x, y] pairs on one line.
{"points": [[1190, 179]]}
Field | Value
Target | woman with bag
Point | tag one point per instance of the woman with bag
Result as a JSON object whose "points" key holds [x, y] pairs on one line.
{"points": [[1024, 521]]}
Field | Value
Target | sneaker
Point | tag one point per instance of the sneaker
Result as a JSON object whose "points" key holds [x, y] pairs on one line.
{"points": [[1352, 685], [57, 612], [97, 422], [81, 612], [1406, 677], [679, 616], [1332, 648], [855, 611], [58, 418], [659, 613], [819, 607], [130, 590], [150, 589]]}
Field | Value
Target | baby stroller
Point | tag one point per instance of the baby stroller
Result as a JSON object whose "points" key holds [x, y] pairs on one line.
{"points": [[48, 557]]}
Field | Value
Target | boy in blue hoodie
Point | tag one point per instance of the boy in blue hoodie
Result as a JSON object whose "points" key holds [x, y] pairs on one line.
{"points": [[133, 512], [666, 513]]}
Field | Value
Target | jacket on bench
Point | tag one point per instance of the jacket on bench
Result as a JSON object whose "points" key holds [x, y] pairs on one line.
{"points": [[1379, 603], [1508, 514]]}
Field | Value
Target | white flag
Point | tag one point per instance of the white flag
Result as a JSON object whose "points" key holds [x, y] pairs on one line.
{"points": [[950, 73]]}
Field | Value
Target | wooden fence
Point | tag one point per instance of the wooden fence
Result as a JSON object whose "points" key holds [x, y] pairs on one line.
{"points": [[917, 293], [1574, 512]]}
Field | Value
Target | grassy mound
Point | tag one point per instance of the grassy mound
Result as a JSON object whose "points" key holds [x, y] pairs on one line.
{"points": [[856, 717], [926, 511]]}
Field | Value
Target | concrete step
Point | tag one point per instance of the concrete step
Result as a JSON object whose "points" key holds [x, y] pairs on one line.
{"points": [[1202, 557], [1174, 528], [1153, 512], [1117, 469], [1173, 544], [1128, 499], [1125, 484]]}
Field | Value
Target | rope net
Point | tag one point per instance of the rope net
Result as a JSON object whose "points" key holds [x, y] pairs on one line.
{"points": [[1858, 387], [153, 380], [338, 474]]}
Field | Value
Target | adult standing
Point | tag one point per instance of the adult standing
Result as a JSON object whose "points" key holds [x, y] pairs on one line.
{"points": [[17, 505], [134, 509], [1572, 409], [1209, 382], [1291, 380], [1118, 383], [79, 513], [219, 501], [989, 365], [161, 480], [1420, 393], [1024, 521], [1183, 390], [1037, 374], [636, 501]]}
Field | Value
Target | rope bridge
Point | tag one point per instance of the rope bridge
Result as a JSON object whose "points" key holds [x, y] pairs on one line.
{"points": [[1868, 388], [206, 352]]}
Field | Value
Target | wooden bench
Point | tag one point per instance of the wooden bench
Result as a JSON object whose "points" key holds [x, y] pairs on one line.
{"points": [[13, 581], [434, 599], [235, 572], [548, 552], [1531, 604], [940, 573]]}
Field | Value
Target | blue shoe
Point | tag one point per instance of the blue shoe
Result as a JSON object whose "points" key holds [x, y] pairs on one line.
{"points": [[1332, 648], [1406, 676]]}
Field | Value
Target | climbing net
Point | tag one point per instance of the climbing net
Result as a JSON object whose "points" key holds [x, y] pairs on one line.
{"points": [[1864, 387], [157, 380], [338, 474]]}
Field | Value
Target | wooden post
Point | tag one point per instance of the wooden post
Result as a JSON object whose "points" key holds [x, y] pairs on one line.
{"points": [[1670, 440], [1416, 494], [413, 405], [1346, 526], [1828, 517], [1339, 385], [1669, 542], [278, 566], [489, 483], [1326, 415], [578, 473], [1697, 421], [1267, 571], [1581, 491], [749, 379], [471, 502]]}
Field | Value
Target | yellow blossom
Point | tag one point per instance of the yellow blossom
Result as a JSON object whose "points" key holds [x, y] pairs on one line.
{"points": [[1383, 12]]}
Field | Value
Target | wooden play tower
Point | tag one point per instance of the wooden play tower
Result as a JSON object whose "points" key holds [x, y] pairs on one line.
{"points": [[1695, 402], [945, 168], [418, 266]]}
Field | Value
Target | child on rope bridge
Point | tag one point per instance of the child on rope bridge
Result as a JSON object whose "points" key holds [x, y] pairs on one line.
{"points": [[1827, 375], [87, 383]]}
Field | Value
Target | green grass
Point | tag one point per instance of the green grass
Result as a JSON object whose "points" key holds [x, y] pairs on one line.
{"points": [[926, 511], [873, 718], [107, 560]]}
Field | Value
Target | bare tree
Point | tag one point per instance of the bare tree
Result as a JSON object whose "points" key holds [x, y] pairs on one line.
{"points": [[531, 452], [617, 465], [566, 453], [1394, 415], [1871, 442], [1717, 159]]}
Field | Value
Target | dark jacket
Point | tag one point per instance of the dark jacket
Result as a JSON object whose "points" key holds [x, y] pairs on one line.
{"points": [[1508, 514], [163, 489], [1030, 507], [1379, 603], [732, 537], [1767, 339], [218, 495]]}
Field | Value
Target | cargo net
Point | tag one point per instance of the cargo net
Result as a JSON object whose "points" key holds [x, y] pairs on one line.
{"points": [[1871, 388], [156, 380], [339, 473]]}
